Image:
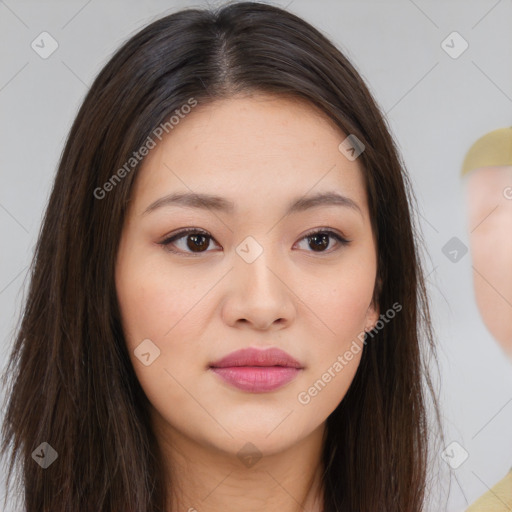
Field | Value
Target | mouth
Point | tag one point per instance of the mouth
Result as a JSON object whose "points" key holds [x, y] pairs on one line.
{"points": [[257, 371]]}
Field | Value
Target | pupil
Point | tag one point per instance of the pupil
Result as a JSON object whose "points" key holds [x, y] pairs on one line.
{"points": [[324, 243], [195, 245]]}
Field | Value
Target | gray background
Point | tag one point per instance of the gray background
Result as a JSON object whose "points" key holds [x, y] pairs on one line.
{"points": [[436, 106]]}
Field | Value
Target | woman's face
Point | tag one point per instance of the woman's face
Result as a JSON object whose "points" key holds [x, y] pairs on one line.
{"points": [[248, 276]]}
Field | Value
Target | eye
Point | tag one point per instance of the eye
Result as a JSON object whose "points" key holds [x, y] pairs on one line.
{"points": [[318, 240], [197, 241]]}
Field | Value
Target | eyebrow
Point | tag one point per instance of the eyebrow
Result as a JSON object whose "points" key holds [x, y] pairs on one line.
{"points": [[217, 203]]}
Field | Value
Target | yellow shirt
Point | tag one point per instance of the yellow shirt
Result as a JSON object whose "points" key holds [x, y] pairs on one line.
{"points": [[497, 499]]}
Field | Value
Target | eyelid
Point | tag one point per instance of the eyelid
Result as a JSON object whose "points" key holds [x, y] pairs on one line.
{"points": [[338, 236], [325, 229], [181, 233]]}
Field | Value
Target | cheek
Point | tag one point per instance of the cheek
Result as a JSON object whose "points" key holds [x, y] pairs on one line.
{"points": [[335, 352], [154, 302], [344, 307], [342, 298], [163, 307]]}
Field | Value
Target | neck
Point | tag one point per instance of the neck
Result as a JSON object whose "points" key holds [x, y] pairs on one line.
{"points": [[201, 477]]}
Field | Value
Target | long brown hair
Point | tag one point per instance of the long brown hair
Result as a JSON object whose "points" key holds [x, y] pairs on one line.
{"points": [[71, 383]]}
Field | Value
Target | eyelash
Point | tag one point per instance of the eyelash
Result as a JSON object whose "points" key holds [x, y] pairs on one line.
{"points": [[168, 241]]}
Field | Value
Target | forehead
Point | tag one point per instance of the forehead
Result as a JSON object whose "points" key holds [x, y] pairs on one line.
{"points": [[257, 147]]}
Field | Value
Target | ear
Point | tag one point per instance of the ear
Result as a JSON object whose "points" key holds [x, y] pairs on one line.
{"points": [[372, 316]]}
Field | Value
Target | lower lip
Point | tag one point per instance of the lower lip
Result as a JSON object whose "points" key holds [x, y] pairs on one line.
{"points": [[257, 379]]}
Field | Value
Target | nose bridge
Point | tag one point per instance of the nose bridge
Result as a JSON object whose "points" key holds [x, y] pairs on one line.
{"points": [[258, 292], [256, 263]]}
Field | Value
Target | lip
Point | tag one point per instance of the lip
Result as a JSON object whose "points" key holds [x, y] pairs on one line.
{"points": [[257, 370], [257, 357]]}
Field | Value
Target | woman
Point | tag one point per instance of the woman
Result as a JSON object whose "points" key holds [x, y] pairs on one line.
{"points": [[227, 304]]}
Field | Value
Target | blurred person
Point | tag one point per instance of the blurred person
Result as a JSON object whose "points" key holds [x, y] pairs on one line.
{"points": [[487, 173]]}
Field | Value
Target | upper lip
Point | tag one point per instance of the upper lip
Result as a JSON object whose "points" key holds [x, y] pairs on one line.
{"points": [[257, 357]]}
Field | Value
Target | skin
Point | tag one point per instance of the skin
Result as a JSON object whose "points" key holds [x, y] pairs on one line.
{"points": [[261, 152], [489, 202]]}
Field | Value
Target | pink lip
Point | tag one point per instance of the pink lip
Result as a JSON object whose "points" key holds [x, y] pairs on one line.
{"points": [[256, 370]]}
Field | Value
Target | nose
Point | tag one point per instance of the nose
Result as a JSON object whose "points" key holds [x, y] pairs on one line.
{"points": [[260, 294]]}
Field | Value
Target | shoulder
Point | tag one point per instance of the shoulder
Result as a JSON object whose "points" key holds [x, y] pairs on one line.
{"points": [[497, 499]]}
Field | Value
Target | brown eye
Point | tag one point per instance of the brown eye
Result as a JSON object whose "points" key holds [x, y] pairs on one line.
{"points": [[319, 240], [195, 241], [198, 241]]}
